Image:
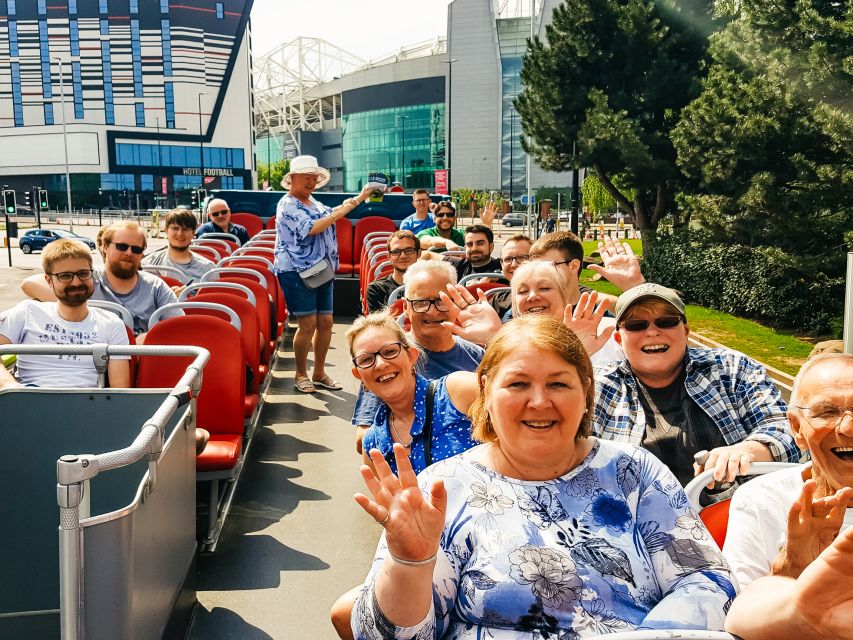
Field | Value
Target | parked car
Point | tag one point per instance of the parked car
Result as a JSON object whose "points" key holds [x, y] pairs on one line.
{"points": [[515, 219], [37, 239]]}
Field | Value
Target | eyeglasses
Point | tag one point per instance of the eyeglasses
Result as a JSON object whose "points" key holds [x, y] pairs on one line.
{"points": [[68, 276], [664, 322], [222, 212], [517, 259], [557, 264], [388, 352], [406, 252], [826, 416], [123, 246], [421, 200], [423, 305], [444, 214]]}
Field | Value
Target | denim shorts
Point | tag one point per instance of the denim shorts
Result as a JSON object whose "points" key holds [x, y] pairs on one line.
{"points": [[302, 301]]}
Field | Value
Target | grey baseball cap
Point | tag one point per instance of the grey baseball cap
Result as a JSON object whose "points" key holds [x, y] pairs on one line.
{"points": [[646, 291]]}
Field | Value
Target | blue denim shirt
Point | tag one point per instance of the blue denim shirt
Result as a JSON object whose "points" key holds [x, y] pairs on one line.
{"points": [[295, 249]]}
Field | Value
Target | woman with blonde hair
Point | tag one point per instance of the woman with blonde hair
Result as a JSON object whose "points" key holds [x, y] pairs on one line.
{"points": [[542, 530]]}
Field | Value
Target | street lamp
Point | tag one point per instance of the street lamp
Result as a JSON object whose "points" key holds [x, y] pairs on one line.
{"points": [[59, 61], [201, 137], [449, 64], [511, 155]]}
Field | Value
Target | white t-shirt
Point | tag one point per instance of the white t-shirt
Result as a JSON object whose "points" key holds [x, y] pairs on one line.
{"points": [[31, 322], [758, 522]]}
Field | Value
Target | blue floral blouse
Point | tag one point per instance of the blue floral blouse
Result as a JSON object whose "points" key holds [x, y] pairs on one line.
{"points": [[611, 546], [295, 249], [451, 429]]}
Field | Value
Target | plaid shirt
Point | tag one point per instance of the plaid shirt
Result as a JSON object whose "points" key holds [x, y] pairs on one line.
{"points": [[730, 387]]}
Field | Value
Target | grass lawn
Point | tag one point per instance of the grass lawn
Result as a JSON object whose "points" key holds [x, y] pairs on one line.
{"points": [[779, 350]]}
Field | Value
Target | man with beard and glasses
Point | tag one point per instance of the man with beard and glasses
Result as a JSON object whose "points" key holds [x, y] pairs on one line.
{"points": [[180, 227], [444, 236], [69, 320], [120, 279], [479, 244], [676, 401]]}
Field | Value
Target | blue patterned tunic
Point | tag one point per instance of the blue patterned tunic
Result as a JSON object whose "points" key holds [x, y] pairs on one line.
{"points": [[296, 249], [611, 546], [451, 429]]}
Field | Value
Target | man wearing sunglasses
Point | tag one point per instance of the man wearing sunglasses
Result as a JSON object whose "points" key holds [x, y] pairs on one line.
{"points": [[120, 280], [220, 222], [444, 236], [779, 523], [675, 400], [421, 219], [68, 320], [404, 249]]}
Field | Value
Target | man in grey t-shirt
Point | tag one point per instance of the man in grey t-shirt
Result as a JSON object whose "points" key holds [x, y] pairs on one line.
{"points": [[120, 279], [180, 229]]}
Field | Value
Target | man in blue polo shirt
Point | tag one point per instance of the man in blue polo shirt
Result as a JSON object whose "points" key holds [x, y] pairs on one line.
{"points": [[421, 219], [220, 221]]}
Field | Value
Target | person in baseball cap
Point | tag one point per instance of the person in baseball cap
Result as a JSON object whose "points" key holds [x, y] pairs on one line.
{"points": [[676, 401]]}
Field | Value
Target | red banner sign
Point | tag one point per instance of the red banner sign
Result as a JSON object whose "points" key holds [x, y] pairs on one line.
{"points": [[164, 186], [441, 181]]}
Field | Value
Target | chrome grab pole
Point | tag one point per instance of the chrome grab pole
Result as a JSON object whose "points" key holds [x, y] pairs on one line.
{"points": [[848, 307]]}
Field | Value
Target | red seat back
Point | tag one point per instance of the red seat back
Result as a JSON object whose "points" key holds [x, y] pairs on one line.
{"points": [[369, 225], [345, 233], [254, 225], [222, 397], [716, 519], [270, 223], [207, 252], [264, 308], [273, 286]]}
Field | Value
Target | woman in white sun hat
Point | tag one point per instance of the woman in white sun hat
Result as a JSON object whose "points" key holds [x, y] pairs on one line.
{"points": [[306, 258]]}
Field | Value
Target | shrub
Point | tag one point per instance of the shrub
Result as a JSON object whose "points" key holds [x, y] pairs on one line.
{"points": [[761, 283]]}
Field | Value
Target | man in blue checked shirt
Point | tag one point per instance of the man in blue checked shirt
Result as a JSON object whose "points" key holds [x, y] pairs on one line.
{"points": [[675, 401]]}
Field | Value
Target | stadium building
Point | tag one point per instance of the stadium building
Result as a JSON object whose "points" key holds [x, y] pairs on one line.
{"points": [[155, 97], [434, 106]]}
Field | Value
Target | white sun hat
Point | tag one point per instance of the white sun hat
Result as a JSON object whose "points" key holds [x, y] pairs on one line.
{"points": [[306, 164]]}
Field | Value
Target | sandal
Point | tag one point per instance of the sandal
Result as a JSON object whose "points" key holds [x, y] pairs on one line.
{"points": [[328, 383], [305, 385]]}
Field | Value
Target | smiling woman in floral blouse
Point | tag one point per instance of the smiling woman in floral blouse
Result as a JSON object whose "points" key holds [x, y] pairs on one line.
{"points": [[541, 531]]}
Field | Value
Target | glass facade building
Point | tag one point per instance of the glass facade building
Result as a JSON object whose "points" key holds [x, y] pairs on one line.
{"points": [[405, 143], [512, 40]]}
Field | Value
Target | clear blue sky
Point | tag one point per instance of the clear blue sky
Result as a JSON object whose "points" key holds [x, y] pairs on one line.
{"points": [[366, 28]]}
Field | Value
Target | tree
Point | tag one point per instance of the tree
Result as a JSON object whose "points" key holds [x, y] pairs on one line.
{"points": [[598, 199], [607, 88], [767, 145], [278, 171]]}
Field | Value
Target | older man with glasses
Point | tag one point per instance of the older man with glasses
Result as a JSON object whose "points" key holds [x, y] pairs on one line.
{"points": [[781, 522], [120, 280], [421, 219], [676, 401], [220, 221], [69, 320]]}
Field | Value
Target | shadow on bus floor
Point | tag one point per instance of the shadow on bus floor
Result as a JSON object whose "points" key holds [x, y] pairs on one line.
{"points": [[223, 623]]}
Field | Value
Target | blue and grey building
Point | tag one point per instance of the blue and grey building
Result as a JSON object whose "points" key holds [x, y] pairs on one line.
{"points": [[157, 94]]}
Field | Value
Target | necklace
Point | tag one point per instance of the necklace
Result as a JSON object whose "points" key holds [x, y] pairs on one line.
{"points": [[391, 422]]}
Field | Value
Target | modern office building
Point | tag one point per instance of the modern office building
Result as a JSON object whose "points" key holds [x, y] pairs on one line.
{"points": [[151, 97], [445, 104]]}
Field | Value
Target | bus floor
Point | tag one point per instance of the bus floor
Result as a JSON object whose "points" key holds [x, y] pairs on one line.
{"points": [[295, 539]]}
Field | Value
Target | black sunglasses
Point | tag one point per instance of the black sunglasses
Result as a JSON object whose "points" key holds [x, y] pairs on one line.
{"points": [[67, 276], [388, 352], [664, 322], [222, 212], [123, 246], [444, 214]]}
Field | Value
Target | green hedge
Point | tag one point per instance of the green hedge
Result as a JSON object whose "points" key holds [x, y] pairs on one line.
{"points": [[761, 283]]}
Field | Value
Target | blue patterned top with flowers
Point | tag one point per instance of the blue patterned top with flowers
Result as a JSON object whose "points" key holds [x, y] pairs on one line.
{"points": [[451, 429], [611, 546], [295, 248]]}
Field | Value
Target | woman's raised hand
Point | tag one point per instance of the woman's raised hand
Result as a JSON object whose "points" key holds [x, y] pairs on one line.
{"points": [[413, 525], [583, 319], [472, 319]]}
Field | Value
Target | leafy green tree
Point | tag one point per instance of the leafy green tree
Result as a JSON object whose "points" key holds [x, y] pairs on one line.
{"points": [[607, 88], [767, 145], [278, 170], [598, 199]]}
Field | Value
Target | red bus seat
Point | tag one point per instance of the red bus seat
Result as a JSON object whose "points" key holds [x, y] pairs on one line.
{"points": [[346, 254], [253, 223], [367, 225]]}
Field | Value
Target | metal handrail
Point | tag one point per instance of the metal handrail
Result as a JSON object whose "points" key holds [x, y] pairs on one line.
{"points": [[73, 470], [211, 235], [395, 294], [695, 486], [122, 312], [213, 274], [250, 295], [478, 276], [212, 242], [169, 271], [242, 256], [213, 306]]}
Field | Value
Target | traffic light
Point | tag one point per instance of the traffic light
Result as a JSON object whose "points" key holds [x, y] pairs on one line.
{"points": [[28, 197], [44, 205], [9, 204], [202, 196], [194, 200]]}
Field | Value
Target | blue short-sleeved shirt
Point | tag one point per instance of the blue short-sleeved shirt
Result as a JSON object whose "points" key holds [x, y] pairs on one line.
{"points": [[451, 429], [296, 249], [411, 223]]}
